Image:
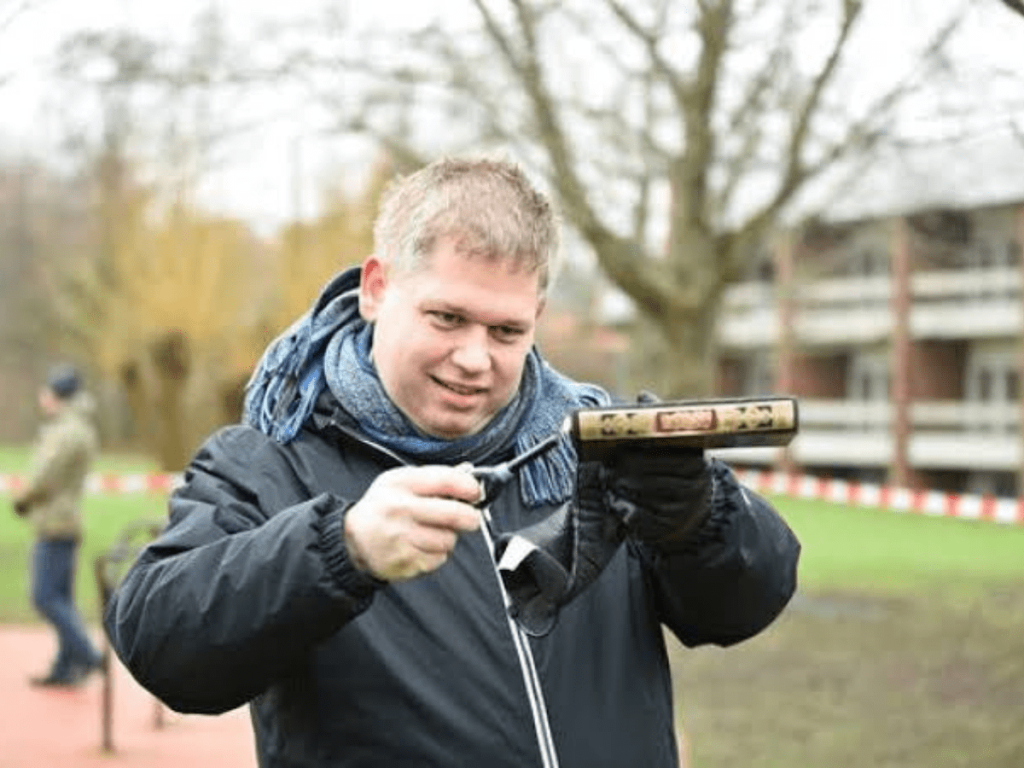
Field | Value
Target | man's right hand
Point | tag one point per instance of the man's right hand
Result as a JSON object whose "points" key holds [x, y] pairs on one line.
{"points": [[409, 520]]}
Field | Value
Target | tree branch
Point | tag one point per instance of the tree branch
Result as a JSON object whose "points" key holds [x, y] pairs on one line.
{"points": [[861, 135], [677, 85], [746, 119], [1017, 6], [688, 176], [9, 17], [638, 276], [796, 170]]}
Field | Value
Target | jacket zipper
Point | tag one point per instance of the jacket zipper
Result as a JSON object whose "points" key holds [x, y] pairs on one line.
{"points": [[534, 692], [527, 666]]}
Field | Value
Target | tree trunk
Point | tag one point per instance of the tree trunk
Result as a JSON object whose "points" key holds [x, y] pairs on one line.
{"points": [[170, 355], [684, 363], [232, 399], [140, 427]]}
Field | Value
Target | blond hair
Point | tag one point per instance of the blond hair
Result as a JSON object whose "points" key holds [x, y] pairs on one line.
{"points": [[487, 206]]}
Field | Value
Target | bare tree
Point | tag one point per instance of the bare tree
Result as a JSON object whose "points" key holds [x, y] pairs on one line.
{"points": [[12, 12], [158, 286], [1017, 6], [35, 222], [674, 135], [8, 16]]}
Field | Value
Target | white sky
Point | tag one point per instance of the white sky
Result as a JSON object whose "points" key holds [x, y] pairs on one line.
{"points": [[257, 182]]}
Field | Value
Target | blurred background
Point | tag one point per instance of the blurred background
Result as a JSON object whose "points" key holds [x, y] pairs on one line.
{"points": [[822, 198], [816, 198]]}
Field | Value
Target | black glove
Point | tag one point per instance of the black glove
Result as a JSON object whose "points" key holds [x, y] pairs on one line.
{"points": [[547, 564], [20, 508], [661, 495]]}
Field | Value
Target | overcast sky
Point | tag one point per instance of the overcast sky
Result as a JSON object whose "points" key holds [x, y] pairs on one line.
{"points": [[257, 184]]}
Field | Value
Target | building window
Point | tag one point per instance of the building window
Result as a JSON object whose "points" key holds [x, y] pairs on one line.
{"points": [[867, 262], [869, 378], [993, 382], [993, 258], [1013, 396], [985, 385], [765, 271], [983, 257], [758, 375], [867, 388], [1013, 385]]}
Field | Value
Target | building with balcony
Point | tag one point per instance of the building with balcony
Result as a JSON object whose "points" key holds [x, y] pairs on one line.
{"points": [[897, 319]]}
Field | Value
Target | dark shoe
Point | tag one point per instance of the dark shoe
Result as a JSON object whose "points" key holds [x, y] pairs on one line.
{"points": [[67, 680], [81, 672]]}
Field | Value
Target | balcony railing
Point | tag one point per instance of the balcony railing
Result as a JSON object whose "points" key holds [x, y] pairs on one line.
{"points": [[943, 435], [856, 310]]}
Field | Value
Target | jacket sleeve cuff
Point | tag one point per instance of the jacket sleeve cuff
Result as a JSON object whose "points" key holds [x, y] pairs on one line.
{"points": [[713, 529], [359, 584]]}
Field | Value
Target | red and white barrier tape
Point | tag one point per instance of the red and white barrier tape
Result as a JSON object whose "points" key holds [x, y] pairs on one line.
{"points": [[934, 503], [967, 506], [110, 483]]}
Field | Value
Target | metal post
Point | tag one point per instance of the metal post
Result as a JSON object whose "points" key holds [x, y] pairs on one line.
{"points": [[108, 702], [785, 358], [1020, 377], [900, 345], [107, 709]]}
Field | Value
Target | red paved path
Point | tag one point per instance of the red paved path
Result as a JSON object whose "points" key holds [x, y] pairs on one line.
{"points": [[47, 728], [63, 728]]}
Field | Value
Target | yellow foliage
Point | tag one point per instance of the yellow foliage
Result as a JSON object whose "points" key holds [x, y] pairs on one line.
{"points": [[156, 269], [185, 271], [310, 253], [158, 273]]}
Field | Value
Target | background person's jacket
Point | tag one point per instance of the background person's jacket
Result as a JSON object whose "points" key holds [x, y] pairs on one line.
{"points": [[63, 452], [249, 596]]}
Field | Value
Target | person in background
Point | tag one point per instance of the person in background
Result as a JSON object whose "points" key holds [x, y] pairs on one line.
{"points": [[51, 501], [342, 562]]}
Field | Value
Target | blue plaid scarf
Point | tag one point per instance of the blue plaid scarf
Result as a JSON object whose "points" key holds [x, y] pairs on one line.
{"points": [[329, 348]]}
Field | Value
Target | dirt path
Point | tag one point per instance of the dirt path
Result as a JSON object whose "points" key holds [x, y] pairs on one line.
{"points": [[64, 728]]}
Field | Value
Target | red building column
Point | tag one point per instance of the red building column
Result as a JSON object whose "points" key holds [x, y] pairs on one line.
{"points": [[900, 471], [785, 309], [1020, 251]]}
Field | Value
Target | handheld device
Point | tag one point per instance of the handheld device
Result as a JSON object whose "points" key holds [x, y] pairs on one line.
{"points": [[712, 423]]}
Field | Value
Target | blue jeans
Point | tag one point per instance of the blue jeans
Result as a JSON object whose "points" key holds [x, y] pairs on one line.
{"points": [[53, 584]]}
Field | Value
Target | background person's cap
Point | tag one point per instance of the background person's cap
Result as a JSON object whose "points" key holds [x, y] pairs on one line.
{"points": [[64, 381]]}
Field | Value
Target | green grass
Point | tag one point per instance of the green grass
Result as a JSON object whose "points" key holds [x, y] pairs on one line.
{"points": [[896, 553], [14, 458], [903, 648], [105, 516]]}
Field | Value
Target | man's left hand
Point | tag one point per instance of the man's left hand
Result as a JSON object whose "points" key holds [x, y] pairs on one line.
{"points": [[21, 507], [662, 495]]}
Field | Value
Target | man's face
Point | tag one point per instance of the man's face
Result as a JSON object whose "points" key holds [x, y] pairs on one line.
{"points": [[450, 338], [49, 404]]}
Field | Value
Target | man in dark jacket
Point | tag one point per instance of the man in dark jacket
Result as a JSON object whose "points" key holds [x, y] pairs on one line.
{"points": [[333, 562], [51, 500]]}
